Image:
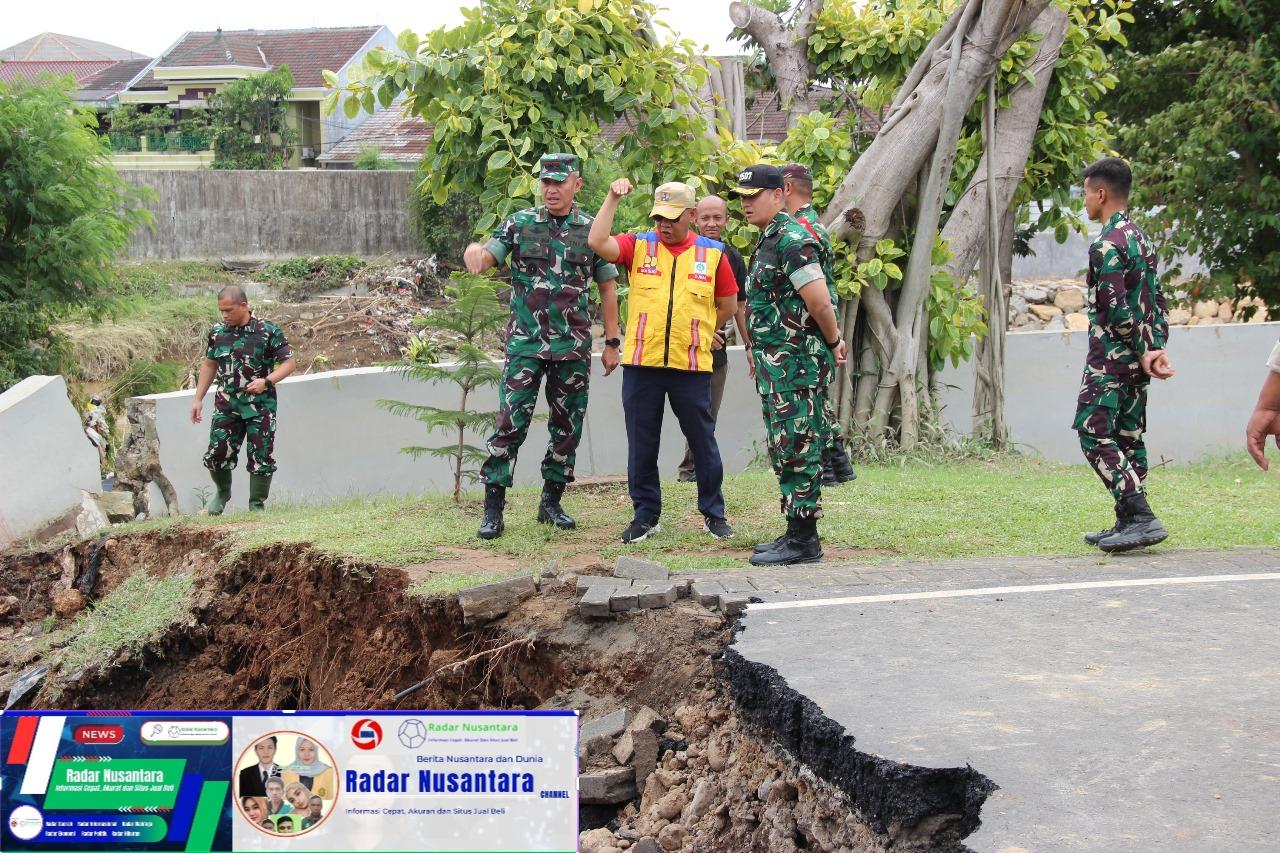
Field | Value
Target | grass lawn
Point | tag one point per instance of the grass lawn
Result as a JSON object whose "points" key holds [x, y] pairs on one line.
{"points": [[1011, 506]]}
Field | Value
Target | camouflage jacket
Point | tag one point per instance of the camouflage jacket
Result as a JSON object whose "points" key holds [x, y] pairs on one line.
{"points": [[245, 353], [786, 345], [1127, 311], [808, 217], [551, 273]]}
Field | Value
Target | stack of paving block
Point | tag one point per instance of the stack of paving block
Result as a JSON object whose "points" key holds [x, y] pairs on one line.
{"points": [[638, 584]]}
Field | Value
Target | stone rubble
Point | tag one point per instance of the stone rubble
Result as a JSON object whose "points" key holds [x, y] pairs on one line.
{"points": [[1062, 305]]}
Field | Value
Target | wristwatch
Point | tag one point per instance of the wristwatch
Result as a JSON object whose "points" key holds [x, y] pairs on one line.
{"points": [[832, 346], [270, 384], [613, 342]]}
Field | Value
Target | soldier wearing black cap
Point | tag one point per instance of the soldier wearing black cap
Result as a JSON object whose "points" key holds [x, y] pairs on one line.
{"points": [[795, 346], [797, 191]]}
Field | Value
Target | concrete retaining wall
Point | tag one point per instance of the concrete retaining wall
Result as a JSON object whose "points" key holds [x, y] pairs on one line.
{"points": [[45, 459], [1200, 412], [334, 442], [247, 214]]}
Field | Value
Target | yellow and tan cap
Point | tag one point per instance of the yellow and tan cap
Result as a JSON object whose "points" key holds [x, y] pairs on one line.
{"points": [[671, 200]]}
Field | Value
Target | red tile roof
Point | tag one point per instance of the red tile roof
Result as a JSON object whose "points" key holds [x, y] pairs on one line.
{"points": [[397, 136], [306, 52], [11, 71], [56, 47]]}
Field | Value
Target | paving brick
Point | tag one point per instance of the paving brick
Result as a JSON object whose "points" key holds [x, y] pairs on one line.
{"points": [[647, 718], [731, 604], [682, 586], [489, 601], [610, 725], [622, 600], [737, 584], [653, 596], [586, 582], [707, 593], [605, 787], [638, 569], [595, 602]]}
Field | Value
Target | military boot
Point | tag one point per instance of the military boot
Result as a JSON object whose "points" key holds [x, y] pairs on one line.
{"points": [[840, 462], [774, 543], [1137, 529], [800, 546], [259, 489], [549, 509], [1095, 538], [828, 472], [495, 501], [222, 479]]}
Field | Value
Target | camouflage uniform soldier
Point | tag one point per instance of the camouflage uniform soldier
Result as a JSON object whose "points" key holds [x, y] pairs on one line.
{"points": [[248, 356], [1127, 334], [789, 310], [549, 335], [798, 194]]}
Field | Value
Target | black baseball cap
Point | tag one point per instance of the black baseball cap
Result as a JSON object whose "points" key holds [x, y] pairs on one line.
{"points": [[761, 176]]}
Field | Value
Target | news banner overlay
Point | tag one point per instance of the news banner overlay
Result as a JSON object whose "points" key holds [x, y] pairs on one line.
{"points": [[421, 781]]}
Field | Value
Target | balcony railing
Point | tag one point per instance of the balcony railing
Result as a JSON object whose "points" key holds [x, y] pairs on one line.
{"points": [[170, 142]]}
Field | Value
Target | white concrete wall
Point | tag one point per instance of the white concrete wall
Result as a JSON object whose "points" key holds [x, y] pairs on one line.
{"points": [[45, 458], [333, 441], [1200, 411], [1069, 259]]}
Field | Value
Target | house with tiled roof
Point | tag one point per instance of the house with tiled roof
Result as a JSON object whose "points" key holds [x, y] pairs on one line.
{"points": [[199, 64], [58, 55]]}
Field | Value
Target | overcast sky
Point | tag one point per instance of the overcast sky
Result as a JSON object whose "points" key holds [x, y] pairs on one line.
{"points": [[151, 27]]}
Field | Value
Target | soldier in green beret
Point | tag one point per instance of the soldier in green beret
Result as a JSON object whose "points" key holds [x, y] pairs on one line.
{"points": [[248, 356], [548, 336]]}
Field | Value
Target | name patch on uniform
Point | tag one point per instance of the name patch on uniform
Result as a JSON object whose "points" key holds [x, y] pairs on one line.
{"points": [[649, 267]]}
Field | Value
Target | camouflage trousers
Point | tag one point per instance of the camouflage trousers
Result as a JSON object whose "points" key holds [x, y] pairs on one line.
{"points": [[1111, 416], [566, 394], [228, 430], [828, 426], [793, 423]]}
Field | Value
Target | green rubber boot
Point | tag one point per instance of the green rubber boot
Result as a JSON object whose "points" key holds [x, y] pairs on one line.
{"points": [[259, 488], [222, 479]]}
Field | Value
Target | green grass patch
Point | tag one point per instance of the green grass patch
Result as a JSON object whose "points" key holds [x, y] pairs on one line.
{"points": [[1008, 506], [156, 279], [135, 613], [448, 582], [298, 278]]}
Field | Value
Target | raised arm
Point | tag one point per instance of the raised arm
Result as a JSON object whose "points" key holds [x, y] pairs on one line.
{"points": [[601, 237]]}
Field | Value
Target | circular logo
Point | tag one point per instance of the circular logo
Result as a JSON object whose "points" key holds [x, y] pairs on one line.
{"points": [[366, 734], [412, 733], [25, 822], [287, 783]]}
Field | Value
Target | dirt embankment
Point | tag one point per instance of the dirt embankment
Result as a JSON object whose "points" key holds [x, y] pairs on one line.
{"points": [[743, 763]]}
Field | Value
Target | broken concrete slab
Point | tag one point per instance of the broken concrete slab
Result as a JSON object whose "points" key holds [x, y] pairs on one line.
{"points": [[594, 604], [707, 593], [655, 595], [682, 586], [647, 718], [624, 749], [604, 787], [644, 754], [610, 725], [638, 569], [118, 506], [489, 601], [624, 599], [731, 604]]}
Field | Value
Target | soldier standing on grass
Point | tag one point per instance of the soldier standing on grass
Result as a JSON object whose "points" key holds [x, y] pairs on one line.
{"points": [[1127, 335], [549, 335], [795, 346], [797, 190], [247, 356]]}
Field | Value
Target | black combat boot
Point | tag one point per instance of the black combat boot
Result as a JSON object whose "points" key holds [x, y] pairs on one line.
{"points": [[774, 543], [1095, 538], [840, 462], [495, 500], [549, 509], [800, 546], [1137, 529], [828, 472]]}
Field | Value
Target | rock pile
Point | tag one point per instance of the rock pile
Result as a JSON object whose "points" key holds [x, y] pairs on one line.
{"points": [[1062, 305]]}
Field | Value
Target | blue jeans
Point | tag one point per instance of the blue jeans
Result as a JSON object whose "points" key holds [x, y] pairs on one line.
{"points": [[645, 390]]}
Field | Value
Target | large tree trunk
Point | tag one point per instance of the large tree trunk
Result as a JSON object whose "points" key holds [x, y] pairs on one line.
{"points": [[786, 48], [723, 98]]}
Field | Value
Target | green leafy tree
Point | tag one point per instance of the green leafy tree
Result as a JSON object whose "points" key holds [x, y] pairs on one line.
{"points": [[473, 313], [1198, 105], [248, 121], [522, 77], [65, 215], [135, 120]]}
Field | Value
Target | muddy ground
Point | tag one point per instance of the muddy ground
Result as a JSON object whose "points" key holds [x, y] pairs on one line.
{"points": [[743, 764]]}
